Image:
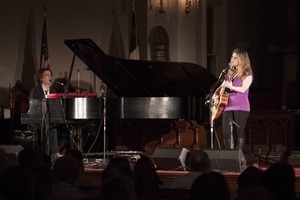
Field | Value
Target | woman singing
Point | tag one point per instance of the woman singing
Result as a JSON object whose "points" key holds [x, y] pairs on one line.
{"points": [[238, 80]]}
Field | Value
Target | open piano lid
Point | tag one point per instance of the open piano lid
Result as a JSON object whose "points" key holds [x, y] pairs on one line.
{"points": [[141, 78]]}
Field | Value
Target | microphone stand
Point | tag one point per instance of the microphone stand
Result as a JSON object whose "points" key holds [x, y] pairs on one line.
{"points": [[231, 123], [77, 88], [70, 86], [211, 104], [104, 95], [211, 120], [78, 132]]}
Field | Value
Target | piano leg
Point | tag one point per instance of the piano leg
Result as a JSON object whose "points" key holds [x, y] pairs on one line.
{"points": [[76, 138]]}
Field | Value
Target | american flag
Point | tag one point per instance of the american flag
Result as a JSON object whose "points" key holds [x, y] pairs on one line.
{"points": [[44, 59], [134, 46]]}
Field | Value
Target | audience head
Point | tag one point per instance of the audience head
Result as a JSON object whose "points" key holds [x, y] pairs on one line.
{"points": [[256, 192], [117, 187], [78, 156], [46, 159], [279, 180], [117, 166], [145, 175], [66, 169], [211, 185], [199, 161], [28, 157], [251, 176], [43, 180]]}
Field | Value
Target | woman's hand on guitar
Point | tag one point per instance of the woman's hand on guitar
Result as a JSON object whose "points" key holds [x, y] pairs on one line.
{"points": [[227, 84]]}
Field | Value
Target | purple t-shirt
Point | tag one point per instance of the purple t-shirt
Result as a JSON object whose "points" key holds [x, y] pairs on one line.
{"points": [[236, 100]]}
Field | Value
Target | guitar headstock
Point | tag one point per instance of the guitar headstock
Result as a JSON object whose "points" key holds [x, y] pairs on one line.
{"points": [[233, 73]]}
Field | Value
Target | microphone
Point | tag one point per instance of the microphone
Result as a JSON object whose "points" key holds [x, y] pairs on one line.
{"points": [[224, 71], [227, 68], [59, 83]]}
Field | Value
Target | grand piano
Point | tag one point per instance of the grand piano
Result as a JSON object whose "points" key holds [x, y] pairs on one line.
{"points": [[145, 94], [148, 89]]}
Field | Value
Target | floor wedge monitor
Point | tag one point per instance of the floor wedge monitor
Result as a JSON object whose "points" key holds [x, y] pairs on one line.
{"points": [[12, 152], [170, 158], [226, 159]]}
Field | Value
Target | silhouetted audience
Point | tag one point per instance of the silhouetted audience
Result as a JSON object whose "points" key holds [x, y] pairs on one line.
{"points": [[209, 186], [279, 179], [198, 163], [3, 162], [65, 173], [256, 192], [42, 180], [117, 187], [249, 186], [28, 157], [250, 177], [17, 183], [47, 160], [145, 175], [117, 166], [81, 182], [78, 156], [34, 179]]}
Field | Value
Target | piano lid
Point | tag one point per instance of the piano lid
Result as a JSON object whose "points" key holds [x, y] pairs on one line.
{"points": [[141, 78]]}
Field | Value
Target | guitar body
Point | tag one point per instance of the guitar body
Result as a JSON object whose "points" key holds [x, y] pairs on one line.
{"points": [[220, 100]]}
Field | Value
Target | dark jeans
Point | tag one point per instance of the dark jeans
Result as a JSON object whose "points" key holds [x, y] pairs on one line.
{"points": [[240, 118], [53, 142], [58, 137]]}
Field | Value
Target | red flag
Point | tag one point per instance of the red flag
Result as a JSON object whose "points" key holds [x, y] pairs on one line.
{"points": [[134, 46], [44, 59]]}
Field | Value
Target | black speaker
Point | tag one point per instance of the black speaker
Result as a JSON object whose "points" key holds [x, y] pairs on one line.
{"points": [[226, 159], [170, 158], [12, 152]]}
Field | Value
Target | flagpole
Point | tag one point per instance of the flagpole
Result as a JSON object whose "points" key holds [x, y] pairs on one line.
{"points": [[44, 16], [134, 46], [44, 62]]}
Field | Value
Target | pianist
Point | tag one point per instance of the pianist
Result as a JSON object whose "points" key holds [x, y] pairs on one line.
{"points": [[42, 89]]}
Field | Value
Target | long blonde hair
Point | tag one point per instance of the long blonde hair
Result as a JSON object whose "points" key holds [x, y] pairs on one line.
{"points": [[244, 62]]}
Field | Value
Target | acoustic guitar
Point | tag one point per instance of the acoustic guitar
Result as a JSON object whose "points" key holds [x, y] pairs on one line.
{"points": [[220, 99]]}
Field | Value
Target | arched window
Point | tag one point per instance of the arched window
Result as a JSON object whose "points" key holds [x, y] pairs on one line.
{"points": [[159, 44]]}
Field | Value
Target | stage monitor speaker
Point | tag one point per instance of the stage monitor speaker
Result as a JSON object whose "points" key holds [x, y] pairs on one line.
{"points": [[226, 159], [170, 158], [12, 152]]}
